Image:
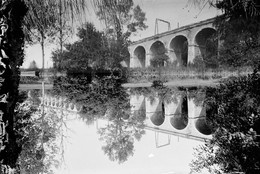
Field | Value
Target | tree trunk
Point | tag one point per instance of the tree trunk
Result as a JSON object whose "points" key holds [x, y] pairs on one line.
{"points": [[61, 32], [43, 53], [12, 13]]}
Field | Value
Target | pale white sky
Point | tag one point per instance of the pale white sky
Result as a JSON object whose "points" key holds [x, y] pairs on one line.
{"points": [[174, 11]]}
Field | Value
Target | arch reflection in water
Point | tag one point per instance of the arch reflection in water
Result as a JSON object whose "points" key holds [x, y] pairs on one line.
{"points": [[158, 116], [182, 118], [155, 111], [201, 123]]}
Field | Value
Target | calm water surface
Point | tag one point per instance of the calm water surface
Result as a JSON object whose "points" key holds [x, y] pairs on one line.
{"points": [[110, 129]]}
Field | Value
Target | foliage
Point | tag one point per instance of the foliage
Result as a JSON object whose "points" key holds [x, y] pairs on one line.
{"points": [[247, 8], [165, 74], [39, 24], [240, 45], [121, 15], [238, 31], [12, 44], [105, 98], [30, 80], [37, 18], [159, 60], [233, 111], [119, 138], [91, 50], [121, 19], [28, 127]]}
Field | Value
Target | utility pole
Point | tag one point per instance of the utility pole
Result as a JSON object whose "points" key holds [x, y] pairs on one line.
{"points": [[156, 30]]}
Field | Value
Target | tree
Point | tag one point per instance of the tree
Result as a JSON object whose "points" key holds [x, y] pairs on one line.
{"points": [[123, 128], [122, 16], [159, 60], [12, 55], [41, 22], [28, 128], [11, 45], [234, 113], [91, 50], [247, 8], [119, 137], [105, 98], [238, 30], [121, 19]]}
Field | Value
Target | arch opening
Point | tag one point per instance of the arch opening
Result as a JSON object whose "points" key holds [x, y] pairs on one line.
{"points": [[179, 46], [159, 57], [202, 126], [180, 119], [206, 43], [159, 116], [139, 54]]}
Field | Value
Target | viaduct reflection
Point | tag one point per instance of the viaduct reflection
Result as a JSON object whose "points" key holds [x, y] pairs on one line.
{"points": [[182, 117]]}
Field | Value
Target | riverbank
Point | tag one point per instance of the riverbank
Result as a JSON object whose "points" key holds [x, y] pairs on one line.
{"points": [[174, 83]]}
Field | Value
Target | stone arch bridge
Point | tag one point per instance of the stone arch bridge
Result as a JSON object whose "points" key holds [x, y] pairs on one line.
{"points": [[181, 45]]}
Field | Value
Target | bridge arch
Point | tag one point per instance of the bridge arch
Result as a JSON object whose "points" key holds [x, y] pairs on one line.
{"points": [[202, 126], [180, 119], [140, 56], [157, 50], [179, 47], [158, 116], [201, 40]]}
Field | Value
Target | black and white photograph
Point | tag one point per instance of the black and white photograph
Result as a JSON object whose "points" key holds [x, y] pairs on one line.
{"points": [[129, 87]]}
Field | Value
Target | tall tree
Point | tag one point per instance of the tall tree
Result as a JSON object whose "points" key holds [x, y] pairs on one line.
{"points": [[11, 45], [12, 13], [68, 12], [121, 19], [43, 22], [40, 22], [91, 50]]}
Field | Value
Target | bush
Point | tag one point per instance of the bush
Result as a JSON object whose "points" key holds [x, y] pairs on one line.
{"points": [[29, 80]]}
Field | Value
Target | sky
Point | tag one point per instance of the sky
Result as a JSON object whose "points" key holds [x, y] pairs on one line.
{"points": [[177, 12]]}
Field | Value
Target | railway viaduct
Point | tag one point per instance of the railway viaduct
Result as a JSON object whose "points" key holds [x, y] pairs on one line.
{"points": [[181, 45]]}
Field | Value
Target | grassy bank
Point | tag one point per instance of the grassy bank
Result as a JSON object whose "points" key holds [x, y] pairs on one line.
{"points": [[165, 74]]}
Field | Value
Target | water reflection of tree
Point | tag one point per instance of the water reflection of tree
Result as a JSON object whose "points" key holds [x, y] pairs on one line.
{"points": [[164, 93], [119, 136], [105, 98], [34, 158]]}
